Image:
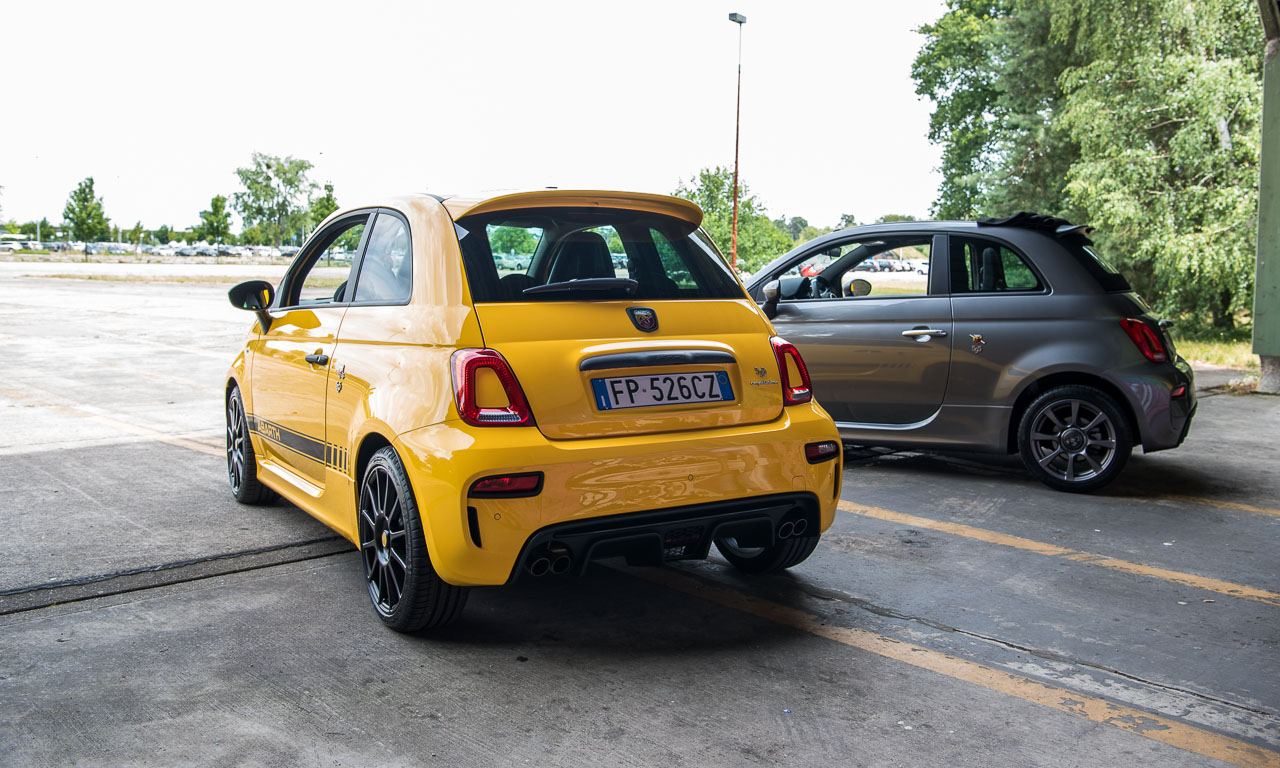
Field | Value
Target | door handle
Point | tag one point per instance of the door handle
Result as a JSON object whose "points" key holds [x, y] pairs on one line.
{"points": [[318, 359], [924, 332]]}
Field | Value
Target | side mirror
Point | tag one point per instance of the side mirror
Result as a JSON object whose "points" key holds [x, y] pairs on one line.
{"points": [[254, 296], [770, 305]]}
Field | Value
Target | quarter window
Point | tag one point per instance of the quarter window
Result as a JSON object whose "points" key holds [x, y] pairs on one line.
{"points": [[984, 266], [387, 268]]}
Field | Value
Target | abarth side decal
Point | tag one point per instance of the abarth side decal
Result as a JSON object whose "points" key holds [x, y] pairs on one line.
{"points": [[331, 455]]}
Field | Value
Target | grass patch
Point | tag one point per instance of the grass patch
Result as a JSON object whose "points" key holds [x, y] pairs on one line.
{"points": [[1232, 349], [178, 279]]}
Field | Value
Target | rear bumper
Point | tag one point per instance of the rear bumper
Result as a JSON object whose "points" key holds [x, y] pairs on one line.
{"points": [[697, 474], [1164, 420], [652, 538]]}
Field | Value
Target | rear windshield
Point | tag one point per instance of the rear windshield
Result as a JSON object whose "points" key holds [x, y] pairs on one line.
{"points": [[626, 254]]}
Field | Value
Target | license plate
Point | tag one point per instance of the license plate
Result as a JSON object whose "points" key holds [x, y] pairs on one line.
{"points": [[661, 389]]}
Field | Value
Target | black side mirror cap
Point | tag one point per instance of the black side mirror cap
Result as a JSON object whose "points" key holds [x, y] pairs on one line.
{"points": [[254, 296]]}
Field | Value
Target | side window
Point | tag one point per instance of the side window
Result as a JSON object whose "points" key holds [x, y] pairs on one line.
{"points": [[386, 272], [322, 279], [892, 265], [672, 264], [984, 266]]}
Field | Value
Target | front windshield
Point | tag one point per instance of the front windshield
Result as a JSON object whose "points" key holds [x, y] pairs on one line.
{"points": [[510, 252]]}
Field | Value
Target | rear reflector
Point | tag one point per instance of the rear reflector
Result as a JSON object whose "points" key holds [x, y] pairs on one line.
{"points": [[796, 387], [819, 452], [508, 486], [1145, 339], [466, 363], [1179, 391]]}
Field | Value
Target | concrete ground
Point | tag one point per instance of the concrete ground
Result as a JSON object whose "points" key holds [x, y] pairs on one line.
{"points": [[958, 612]]}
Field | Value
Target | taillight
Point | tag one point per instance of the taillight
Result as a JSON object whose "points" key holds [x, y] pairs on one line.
{"points": [[467, 364], [791, 367], [508, 486], [1145, 339], [820, 452]]}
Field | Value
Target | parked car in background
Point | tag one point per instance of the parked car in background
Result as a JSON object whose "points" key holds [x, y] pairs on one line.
{"points": [[464, 425], [1021, 338]]}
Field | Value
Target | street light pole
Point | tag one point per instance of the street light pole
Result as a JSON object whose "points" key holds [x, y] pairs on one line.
{"points": [[738, 19]]}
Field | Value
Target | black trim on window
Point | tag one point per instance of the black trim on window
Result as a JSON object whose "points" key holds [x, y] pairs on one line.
{"points": [[957, 272], [311, 250], [350, 293]]}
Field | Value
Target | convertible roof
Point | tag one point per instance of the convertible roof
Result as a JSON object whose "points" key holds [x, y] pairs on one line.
{"points": [[1050, 225]]}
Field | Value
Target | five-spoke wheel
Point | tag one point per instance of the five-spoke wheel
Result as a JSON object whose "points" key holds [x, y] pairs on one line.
{"points": [[242, 466], [403, 585], [1074, 438]]}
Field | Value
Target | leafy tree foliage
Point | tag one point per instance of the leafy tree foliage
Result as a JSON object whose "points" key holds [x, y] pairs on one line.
{"points": [[135, 234], [215, 223], [1141, 117], [84, 214], [162, 234], [513, 240], [759, 241], [276, 191], [323, 205]]}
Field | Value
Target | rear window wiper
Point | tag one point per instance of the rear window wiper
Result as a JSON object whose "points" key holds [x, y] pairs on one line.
{"points": [[587, 285]]}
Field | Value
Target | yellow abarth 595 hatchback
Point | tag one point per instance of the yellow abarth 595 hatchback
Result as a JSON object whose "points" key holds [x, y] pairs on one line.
{"points": [[475, 390]]}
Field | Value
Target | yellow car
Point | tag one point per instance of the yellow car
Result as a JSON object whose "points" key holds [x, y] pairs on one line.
{"points": [[475, 390]]}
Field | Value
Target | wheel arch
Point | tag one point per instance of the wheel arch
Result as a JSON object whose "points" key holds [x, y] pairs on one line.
{"points": [[1066, 378]]}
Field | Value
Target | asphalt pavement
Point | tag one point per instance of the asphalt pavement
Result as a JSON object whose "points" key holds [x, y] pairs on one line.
{"points": [[957, 613]]}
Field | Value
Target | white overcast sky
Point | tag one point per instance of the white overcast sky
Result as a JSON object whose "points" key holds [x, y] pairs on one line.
{"points": [[160, 102]]}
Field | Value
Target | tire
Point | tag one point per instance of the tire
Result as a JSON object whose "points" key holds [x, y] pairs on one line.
{"points": [[1074, 438], [780, 555], [242, 464], [406, 592]]}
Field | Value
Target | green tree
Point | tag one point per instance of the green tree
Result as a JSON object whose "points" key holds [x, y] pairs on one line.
{"points": [[892, 217], [275, 194], [163, 234], [323, 205], [215, 223], [1141, 118], [135, 234], [84, 214], [847, 220], [512, 240], [759, 240]]}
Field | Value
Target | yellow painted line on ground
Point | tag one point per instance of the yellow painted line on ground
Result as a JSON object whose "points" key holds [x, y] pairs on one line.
{"points": [[1152, 726], [1050, 550], [123, 426], [1139, 496]]}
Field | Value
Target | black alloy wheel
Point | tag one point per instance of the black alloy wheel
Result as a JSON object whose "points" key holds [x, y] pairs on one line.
{"points": [[242, 464], [1074, 438], [403, 585]]}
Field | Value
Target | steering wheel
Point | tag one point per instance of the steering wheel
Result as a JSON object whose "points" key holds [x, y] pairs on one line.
{"points": [[821, 288]]}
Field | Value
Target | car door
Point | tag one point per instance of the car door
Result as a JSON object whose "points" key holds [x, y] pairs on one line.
{"points": [[877, 344], [291, 360], [1003, 311]]}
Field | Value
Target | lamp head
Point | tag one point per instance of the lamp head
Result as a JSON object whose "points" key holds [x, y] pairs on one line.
{"points": [[737, 18]]}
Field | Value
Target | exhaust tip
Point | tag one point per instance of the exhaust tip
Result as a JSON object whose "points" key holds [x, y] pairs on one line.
{"points": [[800, 527], [560, 566], [786, 530], [539, 567]]}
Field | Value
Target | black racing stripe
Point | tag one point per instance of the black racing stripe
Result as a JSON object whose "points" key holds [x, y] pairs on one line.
{"points": [[304, 445]]}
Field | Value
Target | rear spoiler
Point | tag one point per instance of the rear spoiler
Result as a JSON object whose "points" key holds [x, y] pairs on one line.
{"points": [[1049, 225]]}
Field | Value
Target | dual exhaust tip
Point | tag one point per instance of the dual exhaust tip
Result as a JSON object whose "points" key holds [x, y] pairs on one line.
{"points": [[550, 562], [790, 528]]}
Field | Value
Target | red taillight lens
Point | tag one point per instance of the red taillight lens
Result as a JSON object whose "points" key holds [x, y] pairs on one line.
{"points": [[466, 363], [793, 392], [527, 484], [1145, 339], [820, 452]]}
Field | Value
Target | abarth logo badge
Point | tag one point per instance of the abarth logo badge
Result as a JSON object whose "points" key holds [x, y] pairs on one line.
{"points": [[643, 318], [761, 373], [978, 343]]}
